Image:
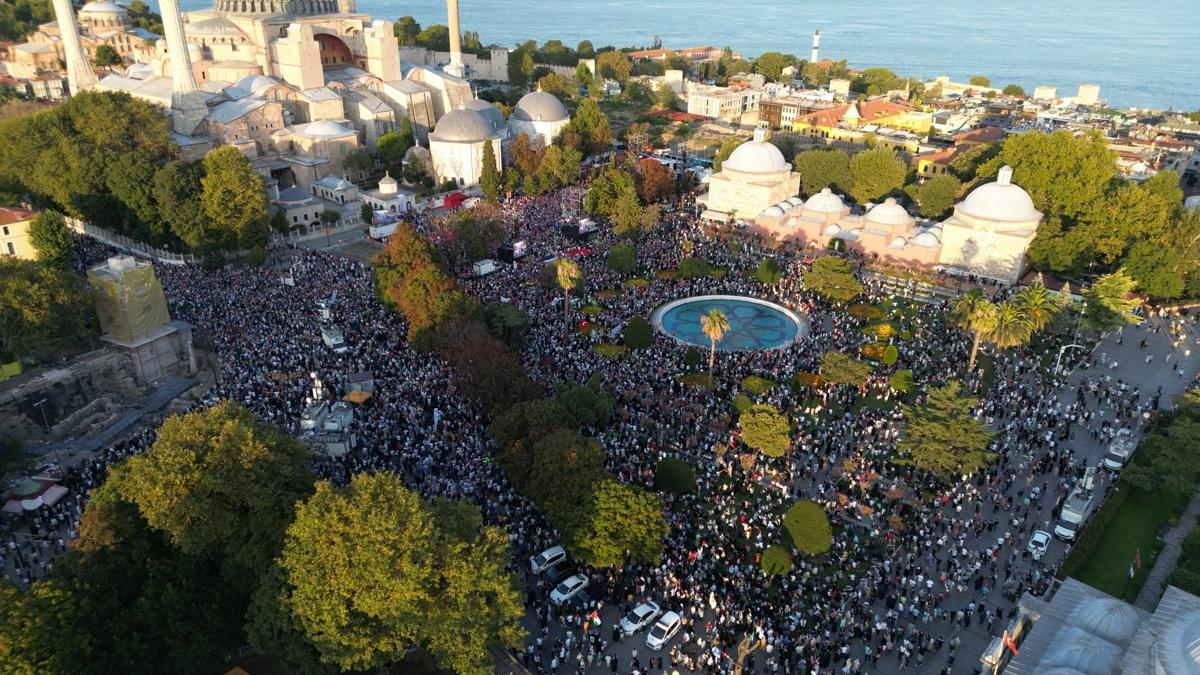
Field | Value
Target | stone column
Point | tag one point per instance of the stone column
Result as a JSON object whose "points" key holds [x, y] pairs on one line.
{"points": [[187, 105], [80, 75], [455, 67]]}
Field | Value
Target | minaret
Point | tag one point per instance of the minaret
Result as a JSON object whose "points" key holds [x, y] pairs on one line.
{"points": [[455, 67], [816, 52], [80, 76], [187, 105]]}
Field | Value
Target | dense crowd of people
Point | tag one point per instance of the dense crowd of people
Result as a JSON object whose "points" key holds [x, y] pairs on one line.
{"points": [[914, 564]]}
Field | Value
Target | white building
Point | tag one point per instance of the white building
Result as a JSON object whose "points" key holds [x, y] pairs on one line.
{"points": [[538, 115], [457, 146], [390, 197], [753, 179]]}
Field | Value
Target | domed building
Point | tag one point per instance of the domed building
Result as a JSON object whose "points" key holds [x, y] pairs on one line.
{"points": [[457, 143], [538, 115], [990, 231], [753, 179]]}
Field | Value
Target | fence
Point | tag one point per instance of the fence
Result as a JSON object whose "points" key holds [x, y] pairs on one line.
{"points": [[129, 245]]}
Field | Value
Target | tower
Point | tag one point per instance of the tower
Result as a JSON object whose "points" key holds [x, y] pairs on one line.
{"points": [[187, 105], [816, 50], [79, 71], [455, 67]]}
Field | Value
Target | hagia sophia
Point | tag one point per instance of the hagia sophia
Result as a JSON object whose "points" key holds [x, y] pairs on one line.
{"points": [[987, 235], [298, 85]]}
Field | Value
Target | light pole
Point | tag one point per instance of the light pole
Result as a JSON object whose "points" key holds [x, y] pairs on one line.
{"points": [[1061, 351], [40, 406]]}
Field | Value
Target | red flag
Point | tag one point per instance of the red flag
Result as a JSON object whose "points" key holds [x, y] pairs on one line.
{"points": [[1008, 642]]}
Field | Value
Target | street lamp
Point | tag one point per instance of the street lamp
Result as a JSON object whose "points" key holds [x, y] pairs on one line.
{"points": [[40, 406]]}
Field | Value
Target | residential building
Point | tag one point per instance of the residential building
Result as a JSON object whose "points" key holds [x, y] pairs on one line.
{"points": [[938, 162], [14, 232], [695, 54], [722, 103]]}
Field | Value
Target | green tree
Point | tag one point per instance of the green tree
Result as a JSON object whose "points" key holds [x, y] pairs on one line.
{"points": [[674, 476], [553, 83], [665, 97], [564, 469], [619, 519], [1065, 175], [372, 572], [768, 272], [807, 526], [974, 312], [622, 258], [627, 216], [776, 561], [43, 309], [833, 279], [771, 64], [714, 324], [51, 239], [937, 195], [233, 199], [177, 193], [489, 175], [130, 178], [1036, 303], [979, 81], [1010, 327], [1167, 461], [1108, 303], [589, 130], [726, 149], [876, 173], [583, 79], [406, 29], [587, 403], [765, 430], [219, 482], [568, 275], [614, 65], [507, 322], [606, 190], [943, 435], [358, 161], [393, 145], [638, 333], [107, 56], [1014, 90], [435, 37], [839, 368], [820, 169], [585, 49]]}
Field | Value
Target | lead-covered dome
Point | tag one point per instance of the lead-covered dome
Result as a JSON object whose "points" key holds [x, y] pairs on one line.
{"points": [[756, 157], [1001, 201], [218, 26], [825, 202], [539, 106], [462, 126], [489, 112], [102, 7], [889, 213]]}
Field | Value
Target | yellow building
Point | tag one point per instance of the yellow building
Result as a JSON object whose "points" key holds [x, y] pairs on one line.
{"points": [[14, 232], [892, 125]]}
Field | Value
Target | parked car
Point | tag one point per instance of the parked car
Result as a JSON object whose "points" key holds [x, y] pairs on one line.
{"points": [[556, 573], [569, 588], [1038, 543], [663, 631], [1120, 450], [639, 617], [551, 556]]}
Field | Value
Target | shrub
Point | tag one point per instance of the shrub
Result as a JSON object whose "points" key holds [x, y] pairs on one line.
{"points": [[891, 355], [741, 403], [874, 351], [775, 560], [765, 430], [591, 310], [902, 381], [757, 386], [768, 272], [692, 357], [638, 333], [808, 527], [804, 379], [861, 311], [609, 351], [674, 476], [906, 335], [839, 368], [695, 380], [880, 331], [589, 403], [690, 268]]}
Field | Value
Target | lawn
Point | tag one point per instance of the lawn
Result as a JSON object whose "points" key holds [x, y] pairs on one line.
{"points": [[1134, 526]]}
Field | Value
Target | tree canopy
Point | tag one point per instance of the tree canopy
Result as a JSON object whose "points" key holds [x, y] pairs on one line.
{"points": [[619, 519], [820, 169], [832, 278], [943, 436], [839, 368], [43, 309], [765, 430], [876, 173], [808, 527]]}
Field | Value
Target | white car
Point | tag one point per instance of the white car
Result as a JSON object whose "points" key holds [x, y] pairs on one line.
{"points": [[663, 631], [639, 617], [550, 556], [569, 588], [1038, 543]]}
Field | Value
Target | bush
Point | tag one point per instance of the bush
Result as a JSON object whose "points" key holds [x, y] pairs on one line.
{"points": [[768, 272], [695, 380], [257, 256], [765, 430], [692, 357], [874, 351], [880, 331], [891, 355], [674, 476], [609, 351], [775, 560], [870, 312], [808, 527], [638, 333], [902, 381], [741, 403], [690, 268], [757, 386]]}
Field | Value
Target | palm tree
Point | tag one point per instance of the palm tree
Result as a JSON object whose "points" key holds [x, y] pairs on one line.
{"points": [[1037, 305], [714, 324], [973, 312], [568, 277], [1010, 326]]}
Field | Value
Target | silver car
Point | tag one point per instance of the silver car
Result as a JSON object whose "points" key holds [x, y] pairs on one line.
{"points": [[639, 617], [569, 588]]}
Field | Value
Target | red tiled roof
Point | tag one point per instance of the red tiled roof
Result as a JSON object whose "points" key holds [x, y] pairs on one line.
{"points": [[10, 215], [981, 135], [868, 111]]}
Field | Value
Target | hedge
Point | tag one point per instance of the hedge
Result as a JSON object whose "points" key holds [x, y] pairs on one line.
{"points": [[901, 381], [808, 526], [862, 311], [775, 560], [674, 476], [638, 333], [1087, 541], [768, 272], [757, 386], [692, 357]]}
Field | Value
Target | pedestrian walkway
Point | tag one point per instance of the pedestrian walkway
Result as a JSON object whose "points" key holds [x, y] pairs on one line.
{"points": [[1156, 582]]}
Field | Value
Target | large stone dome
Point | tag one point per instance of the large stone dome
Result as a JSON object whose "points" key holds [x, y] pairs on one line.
{"points": [[889, 214], [825, 202], [102, 7], [539, 106], [1000, 202], [489, 112], [462, 126], [216, 26], [756, 157]]}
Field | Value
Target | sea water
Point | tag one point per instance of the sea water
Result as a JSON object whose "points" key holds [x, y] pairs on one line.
{"points": [[1144, 54]]}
